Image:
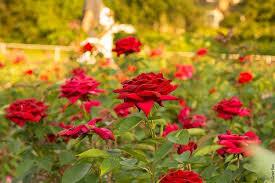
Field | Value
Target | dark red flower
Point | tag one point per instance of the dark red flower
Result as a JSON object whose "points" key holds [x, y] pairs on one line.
{"points": [[213, 90], [127, 45], [89, 104], [184, 71], [80, 130], [170, 128], [121, 112], [131, 68], [144, 90], [78, 72], [88, 47], [51, 137], [79, 88], [75, 132], [182, 102], [29, 72], [180, 176], [1, 65], [202, 51], [237, 144], [155, 53], [191, 146], [244, 58], [245, 77], [23, 111], [104, 133], [227, 109], [190, 121]]}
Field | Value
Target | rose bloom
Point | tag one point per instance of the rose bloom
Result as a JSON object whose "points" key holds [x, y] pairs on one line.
{"points": [[80, 130], [170, 128], [78, 71], [131, 68], [237, 144], [184, 71], [121, 112], [1, 65], [79, 88], [155, 53], [244, 58], [227, 109], [245, 77], [190, 121], [182, 102], [88, 47], [213, 90], [29, 72], [127, 46], [202, 51], [191, 146], [89, 104], [23, 111], [144, 90], [180, 176]]}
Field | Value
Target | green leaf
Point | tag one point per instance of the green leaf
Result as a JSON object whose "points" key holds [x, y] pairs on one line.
{"points": [[93, 153], [135, 154], [66, 157], [196, 131], [108, 164], [129, 123], [75, 172], [207, 149], [24, 167], [163, 150], [182, 157], [179, 137]]}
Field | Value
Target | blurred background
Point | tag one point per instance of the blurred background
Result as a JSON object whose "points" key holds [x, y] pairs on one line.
{"points": [[172, 22]]}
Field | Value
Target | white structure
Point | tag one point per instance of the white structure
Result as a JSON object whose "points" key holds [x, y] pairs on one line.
{"points": [[104, 42]]}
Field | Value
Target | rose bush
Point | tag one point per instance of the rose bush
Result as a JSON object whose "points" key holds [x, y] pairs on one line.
{"points": [[203, 132]]}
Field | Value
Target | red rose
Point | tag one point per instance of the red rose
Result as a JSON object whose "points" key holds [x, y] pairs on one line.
{"points": [[78, 71], [180, 176], [23, 111], [245, 77], [79, 88], [190, 121], [213, 90], [29, 72], [144, 90], [88, 47], [1, 65], [182, 102], [227, 109], [89, 104], [80, 130], [244, 58], [74, 132], [155, 53], [202, 51], [131, 68], [104, 133], [127, 45], [191, 146], [236, 144], [170, 128], [184, 71], [121, 112]]}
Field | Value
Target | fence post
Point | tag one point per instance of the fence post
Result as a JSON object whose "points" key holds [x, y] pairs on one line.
{"points": [[3, 48], [57, 54]]}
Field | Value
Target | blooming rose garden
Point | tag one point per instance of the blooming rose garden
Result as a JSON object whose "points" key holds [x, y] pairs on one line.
{"points": [[153, 118]]}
